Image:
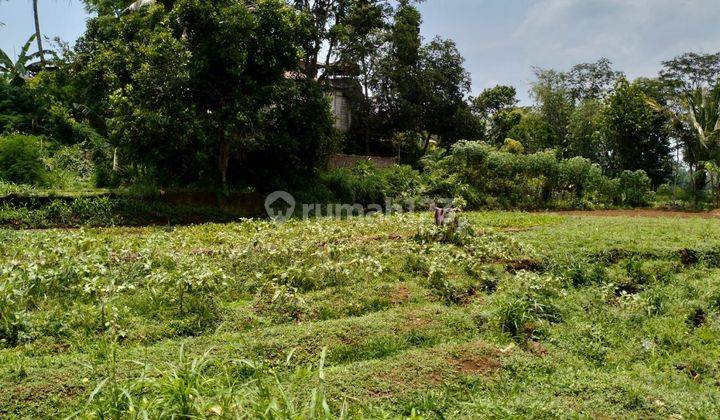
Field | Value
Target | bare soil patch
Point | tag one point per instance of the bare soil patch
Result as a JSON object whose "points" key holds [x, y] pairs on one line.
{"points": [[401, 294], [477, 365]]}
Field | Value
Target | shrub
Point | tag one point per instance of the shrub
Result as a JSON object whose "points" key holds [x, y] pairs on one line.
{"points": [[513, 146], [21, 159], [364, 184], [359, 185], [70, 166], [401, 181], [487, 177], [634, 188]]}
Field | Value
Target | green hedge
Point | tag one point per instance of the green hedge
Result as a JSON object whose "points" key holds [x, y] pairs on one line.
{"points": [[485, 177]]}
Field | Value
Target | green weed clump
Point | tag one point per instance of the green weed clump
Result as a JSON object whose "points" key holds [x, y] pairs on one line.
{"points": [[527, 305]]}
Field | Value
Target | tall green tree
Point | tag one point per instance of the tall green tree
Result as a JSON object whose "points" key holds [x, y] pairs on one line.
{"points": [[636, 134], [591, 81], [106, 7], [586, 132], [421, 89], [532, 131], [197, 86], [22, 68], [336, 27], [495, 99], [554, 102], [396, 76], [684, 74], [494, 107], [558, 94]]}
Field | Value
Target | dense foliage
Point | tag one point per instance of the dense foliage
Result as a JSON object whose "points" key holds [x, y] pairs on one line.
{"points": [[188, 91], [234, 95], [20, 160], [476, 175]]}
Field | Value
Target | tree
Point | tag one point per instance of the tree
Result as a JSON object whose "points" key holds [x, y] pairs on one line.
{"points": [[532, 131], [691, 84], [494, 108], [196, 86], [106, 7], [359, 36], [324, 14], [557, 94], [19, 108], [636, 134], [592, 81], [335, 26], [554, 102], [494, 100], [396, 76], [38, 35], [444, 85], [22, 68], [585, 132], [420, 88], [685, 74]]}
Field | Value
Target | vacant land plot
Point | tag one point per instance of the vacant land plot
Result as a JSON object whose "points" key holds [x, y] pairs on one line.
{"points": [[516, 314]]}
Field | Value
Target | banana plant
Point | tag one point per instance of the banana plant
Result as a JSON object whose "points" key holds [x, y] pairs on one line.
{"points": [[25, 65], [701, 111], [699, 114], [704, 115], [713, 169]]}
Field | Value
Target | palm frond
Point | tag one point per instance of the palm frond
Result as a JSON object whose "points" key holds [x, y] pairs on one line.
{"points": [[657, 107], [696, 125]]}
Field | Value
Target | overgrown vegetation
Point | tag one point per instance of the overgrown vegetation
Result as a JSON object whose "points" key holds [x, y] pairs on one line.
{"points": [[151, 96], [122, 313], [508, 313], [481, 176]]}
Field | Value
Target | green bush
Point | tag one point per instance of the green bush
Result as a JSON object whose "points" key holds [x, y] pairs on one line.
{"points": [[487, 177], [21, 160], [634, 188], [70, 167], [483, 176], [364, 184]]}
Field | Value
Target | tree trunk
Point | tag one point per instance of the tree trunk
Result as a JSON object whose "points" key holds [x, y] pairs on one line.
{"points": [[426, 143], [38, 36], [366, 94], [223, 161], [116, 162]]}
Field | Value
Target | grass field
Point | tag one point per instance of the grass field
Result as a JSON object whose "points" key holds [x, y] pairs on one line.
{"points": [[525, 315]]}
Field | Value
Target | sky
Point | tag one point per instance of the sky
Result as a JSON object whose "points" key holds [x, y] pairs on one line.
{"points": [[501, 39]]}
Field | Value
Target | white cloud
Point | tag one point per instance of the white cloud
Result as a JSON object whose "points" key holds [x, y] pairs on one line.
{"points": [[636, 33]]}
